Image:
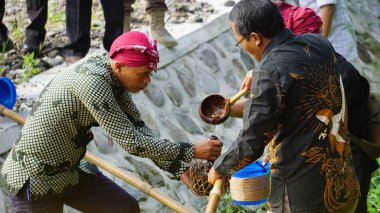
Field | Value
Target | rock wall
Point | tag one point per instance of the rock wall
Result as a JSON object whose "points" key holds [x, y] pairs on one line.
{"points": [[206, 61]]}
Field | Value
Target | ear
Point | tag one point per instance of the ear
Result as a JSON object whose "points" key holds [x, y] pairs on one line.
{"points": [[117, 66], [257, 37]]}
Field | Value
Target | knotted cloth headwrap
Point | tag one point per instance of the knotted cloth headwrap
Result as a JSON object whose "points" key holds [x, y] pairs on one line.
{"points": [[135, 49], [300, 20]]}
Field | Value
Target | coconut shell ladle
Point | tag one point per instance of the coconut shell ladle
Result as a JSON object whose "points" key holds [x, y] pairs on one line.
{"points": [[215, 109]]}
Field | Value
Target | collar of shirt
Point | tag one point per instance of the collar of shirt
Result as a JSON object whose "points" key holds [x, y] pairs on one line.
{"points": [[278, 40]]}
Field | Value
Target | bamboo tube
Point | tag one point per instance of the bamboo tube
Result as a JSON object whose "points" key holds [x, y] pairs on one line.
{"points": [[238, 95], [11, 114], [214, 198], [139, 184]]}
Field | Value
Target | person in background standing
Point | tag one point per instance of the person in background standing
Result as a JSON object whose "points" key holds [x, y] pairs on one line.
{"points": [[78, 26], [156, 17], [337, 27]]}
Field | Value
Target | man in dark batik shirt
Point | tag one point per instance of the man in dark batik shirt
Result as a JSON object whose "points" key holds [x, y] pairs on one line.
{"points": [[298, 108]]}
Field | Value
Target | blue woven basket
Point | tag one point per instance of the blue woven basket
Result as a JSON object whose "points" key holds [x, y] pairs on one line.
{"points": [[251, 184], [7, 93]]}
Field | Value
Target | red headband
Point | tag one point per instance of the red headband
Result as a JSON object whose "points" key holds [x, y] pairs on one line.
{"points": [[135, 49]]}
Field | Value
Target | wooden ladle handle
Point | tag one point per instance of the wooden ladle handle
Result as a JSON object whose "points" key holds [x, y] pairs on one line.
{"points": [[238, 95]]}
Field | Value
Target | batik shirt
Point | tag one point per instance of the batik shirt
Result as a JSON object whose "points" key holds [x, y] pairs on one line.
{"points": [[298, 109], [53, 141]]}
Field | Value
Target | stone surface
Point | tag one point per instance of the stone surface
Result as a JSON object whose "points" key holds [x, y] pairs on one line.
{"points": [[155, 94], [187, 82], [187, 123], [193, 79], [174, 94]]}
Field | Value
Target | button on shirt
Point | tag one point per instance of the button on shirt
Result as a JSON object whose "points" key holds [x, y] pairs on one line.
{"points": [[342, 35], [298, 109], [51, 145]]}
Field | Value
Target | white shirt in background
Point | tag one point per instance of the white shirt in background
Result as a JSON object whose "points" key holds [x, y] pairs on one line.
{"points": [[341, 35]]}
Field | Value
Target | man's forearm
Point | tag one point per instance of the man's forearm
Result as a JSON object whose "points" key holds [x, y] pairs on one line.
{"points": [[327, 14]]}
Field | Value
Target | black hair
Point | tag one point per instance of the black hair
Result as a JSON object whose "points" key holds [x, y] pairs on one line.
{"points": [[261, 16]]}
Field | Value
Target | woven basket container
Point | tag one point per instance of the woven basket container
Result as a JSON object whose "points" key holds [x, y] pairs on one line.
{"points": [[251, 184]]}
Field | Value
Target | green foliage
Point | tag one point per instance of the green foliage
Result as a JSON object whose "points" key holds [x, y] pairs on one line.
{"points": [[55, 13], [17, 33], [373, 202], [227, 206], [30, 65]]}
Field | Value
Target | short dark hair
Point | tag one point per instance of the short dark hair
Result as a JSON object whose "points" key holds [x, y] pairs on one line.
{"points": [[261, 16]]}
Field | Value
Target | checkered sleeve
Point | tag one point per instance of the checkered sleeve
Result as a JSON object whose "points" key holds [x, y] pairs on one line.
{"points": [[95, 92], [176, 167]]}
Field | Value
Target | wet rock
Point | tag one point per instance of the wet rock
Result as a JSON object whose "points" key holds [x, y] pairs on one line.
{"points": [[239, 68], [187, 82], [53, 53], [175, 132], [209, 58], [208, 83], [188, 66], [161, 75], [195, 19], [52, 62], [155, 94], [247, 59], [174, 94], [229, 3], [228, 41], [363, 53], [148, 173], [148, 119], [187, 123], [229, 123], [218, 48], [231, 79]]}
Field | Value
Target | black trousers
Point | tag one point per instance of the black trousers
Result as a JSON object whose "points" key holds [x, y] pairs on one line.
{"points": [[35, 31], [3, 28], [78, 24], [94, 193]]}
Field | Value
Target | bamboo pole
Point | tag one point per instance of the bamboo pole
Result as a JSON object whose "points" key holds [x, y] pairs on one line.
{"points": [[238, 95], [139, 184], [215, 195]]}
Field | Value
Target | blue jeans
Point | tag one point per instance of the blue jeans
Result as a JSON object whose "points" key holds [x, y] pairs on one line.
{"points": [[94, 193]]}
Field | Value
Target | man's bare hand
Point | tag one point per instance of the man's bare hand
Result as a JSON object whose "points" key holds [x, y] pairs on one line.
{"points": [[185, 178], [265, 159], [207, 149], [247, 80], [213, 176]]}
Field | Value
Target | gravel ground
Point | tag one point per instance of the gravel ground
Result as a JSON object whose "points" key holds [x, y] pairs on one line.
{"points": [[19, 67]]}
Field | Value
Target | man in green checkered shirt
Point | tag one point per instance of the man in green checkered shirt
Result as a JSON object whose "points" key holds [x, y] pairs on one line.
{"points": [[44, 169]]}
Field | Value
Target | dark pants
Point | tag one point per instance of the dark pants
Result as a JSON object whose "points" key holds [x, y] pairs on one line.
{"points": [[93, 194], [35, 31], [364, 167], [78, 25], [149, 4], [3, 28]]}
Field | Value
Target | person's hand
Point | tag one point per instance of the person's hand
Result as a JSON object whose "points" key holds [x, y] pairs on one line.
{"points": [[185, 178], [213, 176], [247, 80], [207, 149], [265, 159]]}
